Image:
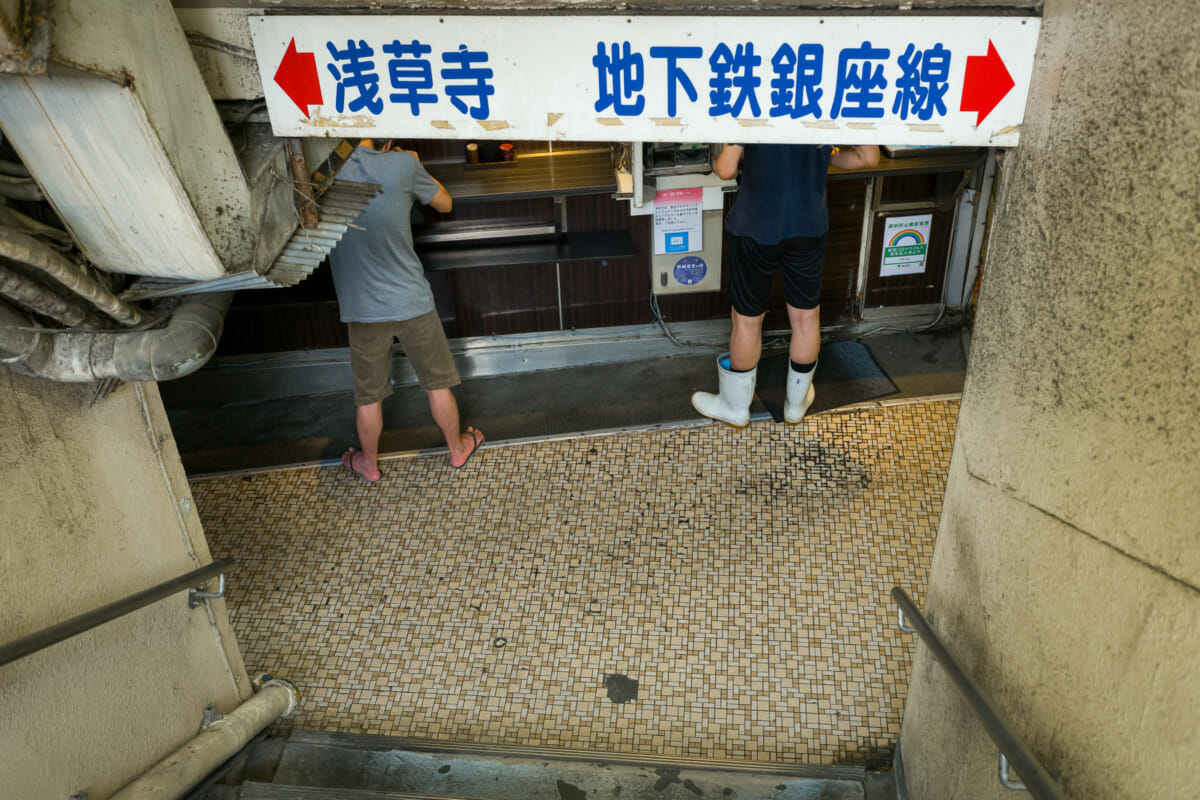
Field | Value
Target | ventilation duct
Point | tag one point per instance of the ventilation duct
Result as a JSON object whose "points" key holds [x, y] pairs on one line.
{"points": [[181, 347]]}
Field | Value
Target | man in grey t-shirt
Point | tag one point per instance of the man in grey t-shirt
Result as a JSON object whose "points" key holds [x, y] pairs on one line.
{"points": [[383, 294]]}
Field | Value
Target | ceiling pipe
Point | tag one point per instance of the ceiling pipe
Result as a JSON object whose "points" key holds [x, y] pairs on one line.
{"points": [[17, 188], [33, 295], [15, 219], [15, 169], [160, 354], [25, 249]]}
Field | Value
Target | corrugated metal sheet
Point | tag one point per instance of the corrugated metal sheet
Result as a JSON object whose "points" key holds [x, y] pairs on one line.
{"points": [[304, 252]]}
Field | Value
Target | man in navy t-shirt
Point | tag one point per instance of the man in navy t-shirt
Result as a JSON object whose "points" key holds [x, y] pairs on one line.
{"points": [[780, 218]]}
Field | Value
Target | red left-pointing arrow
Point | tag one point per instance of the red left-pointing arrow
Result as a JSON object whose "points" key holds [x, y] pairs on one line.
{"points": [[297, 76]]}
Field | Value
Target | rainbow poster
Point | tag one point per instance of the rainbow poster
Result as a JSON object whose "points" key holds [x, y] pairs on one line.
{"points": [[905, 245]]}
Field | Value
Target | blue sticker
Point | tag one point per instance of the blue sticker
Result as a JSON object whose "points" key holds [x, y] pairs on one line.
{"points": [[690, 270], [677, 242]]}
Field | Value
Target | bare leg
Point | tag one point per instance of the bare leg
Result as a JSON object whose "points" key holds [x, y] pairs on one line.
{"points": [[369, 422], [444, 408], [806, 334], [745, 342]]}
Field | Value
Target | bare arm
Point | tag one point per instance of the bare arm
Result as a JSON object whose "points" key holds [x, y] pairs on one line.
{"points": [[860, 156], [726, 163], [442, 201]]}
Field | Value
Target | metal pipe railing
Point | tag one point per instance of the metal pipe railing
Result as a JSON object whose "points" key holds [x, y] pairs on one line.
{"points": [[1033, 775], [91, 619]]}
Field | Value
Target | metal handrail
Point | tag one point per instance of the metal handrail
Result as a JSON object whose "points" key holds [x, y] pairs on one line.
{"points": [[91, 619], [1033, 775]]}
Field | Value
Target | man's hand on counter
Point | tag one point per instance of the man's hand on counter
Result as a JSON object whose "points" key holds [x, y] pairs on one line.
{"points": [[859, 156]]}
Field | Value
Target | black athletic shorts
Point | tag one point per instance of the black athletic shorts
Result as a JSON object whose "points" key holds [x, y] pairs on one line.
{"points": [[754, 266]]}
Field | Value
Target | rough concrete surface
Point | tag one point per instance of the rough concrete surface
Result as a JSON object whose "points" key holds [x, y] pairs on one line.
{"points": [[1066, 572], [1085, 379], [89, 499], [1093, 659]]}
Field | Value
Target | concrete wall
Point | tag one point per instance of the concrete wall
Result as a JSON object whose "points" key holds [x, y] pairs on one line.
{"points": [[90, 511], [1067, 568]]}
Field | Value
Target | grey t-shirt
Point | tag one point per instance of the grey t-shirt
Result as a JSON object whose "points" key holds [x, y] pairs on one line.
{"points": [[376, 273]]}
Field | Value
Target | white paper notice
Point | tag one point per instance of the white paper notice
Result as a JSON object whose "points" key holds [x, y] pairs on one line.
{"points": [[905, 245], [678, 216]]}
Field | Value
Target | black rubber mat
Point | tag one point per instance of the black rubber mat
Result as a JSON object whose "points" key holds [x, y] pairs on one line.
{"points": [[846, 374]]}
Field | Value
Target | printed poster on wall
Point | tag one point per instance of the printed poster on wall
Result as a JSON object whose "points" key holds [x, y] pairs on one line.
{"points": [[678, 216], [905, 245]]}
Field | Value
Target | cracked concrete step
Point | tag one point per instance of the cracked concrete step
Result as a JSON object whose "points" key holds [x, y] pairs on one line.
{"points": [[360, 767], [275, 791]]}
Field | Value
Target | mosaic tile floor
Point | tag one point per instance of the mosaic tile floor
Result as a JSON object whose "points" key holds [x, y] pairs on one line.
{"points": [[741, 578]]}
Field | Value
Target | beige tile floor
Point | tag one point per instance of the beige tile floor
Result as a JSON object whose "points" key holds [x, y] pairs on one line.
{"points": [[740, 577]]}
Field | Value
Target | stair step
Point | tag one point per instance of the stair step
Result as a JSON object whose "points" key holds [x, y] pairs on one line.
{"points": [[393, 768], [276, 791]]}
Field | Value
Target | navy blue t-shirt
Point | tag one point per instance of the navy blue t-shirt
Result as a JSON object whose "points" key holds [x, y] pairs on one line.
{"points": [[782, 193]]}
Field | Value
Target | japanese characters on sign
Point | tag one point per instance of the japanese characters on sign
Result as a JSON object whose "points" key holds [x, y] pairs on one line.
{"points": [[897, 80], [796, 76], [410, 78], [678, 215]]}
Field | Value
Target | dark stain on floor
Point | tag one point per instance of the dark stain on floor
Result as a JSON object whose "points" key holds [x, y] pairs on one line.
{"points": [[666, 777], [810, 468], [874, 757], [570, 792], [621, 688]]}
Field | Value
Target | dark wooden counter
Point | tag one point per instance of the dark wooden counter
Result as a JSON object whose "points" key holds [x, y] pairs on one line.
{"points": [[591, 172], [570, 247], [912, 165], [536, 175]]}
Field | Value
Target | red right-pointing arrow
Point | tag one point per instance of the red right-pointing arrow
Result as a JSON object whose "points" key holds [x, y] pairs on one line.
{"points": [[297, 76], [985, 83]]}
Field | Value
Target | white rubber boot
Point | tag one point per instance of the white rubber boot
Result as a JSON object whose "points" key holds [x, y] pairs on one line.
{"points": [[800, 394], [732, 405]]}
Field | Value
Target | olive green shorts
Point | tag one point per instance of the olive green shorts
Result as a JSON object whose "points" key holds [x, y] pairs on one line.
{"points": [[424, 343]]}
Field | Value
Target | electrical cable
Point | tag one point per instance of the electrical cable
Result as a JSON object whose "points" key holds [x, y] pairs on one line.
{"points": [[240, 122], [149, 322], [667, 330]]}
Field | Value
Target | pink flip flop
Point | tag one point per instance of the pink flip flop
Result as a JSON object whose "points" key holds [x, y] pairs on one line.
{"points": [[478, 437], [348, 463]]}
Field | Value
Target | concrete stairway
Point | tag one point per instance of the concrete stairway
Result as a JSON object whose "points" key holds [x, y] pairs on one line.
{"points": [[309, 765]]}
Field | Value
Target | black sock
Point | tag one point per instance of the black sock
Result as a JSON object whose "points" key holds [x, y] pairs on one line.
{"points": [[803, 367], [731, 369]]}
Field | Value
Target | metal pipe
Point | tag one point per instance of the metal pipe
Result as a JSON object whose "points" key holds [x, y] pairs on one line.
{"points": [[24, 189], [217, 743], [310, 214], [183, 346], [14, 168], [637, 168], [15, 219], [1033, 774], [21, 247], [82, 623], [35, 296]]}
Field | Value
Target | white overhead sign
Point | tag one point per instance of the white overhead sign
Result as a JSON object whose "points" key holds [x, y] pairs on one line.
{"points": [[901, 80]]}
